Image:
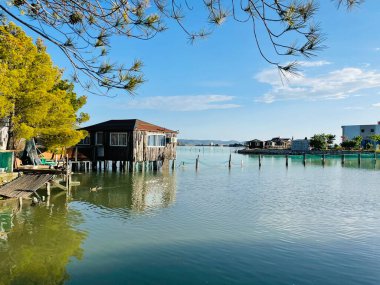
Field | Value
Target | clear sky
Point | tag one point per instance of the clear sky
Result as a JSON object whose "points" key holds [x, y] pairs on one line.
{"points": [[220, 87]]}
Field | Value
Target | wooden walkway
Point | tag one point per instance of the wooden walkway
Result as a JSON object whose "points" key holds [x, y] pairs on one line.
{"points": [[24, 186]]}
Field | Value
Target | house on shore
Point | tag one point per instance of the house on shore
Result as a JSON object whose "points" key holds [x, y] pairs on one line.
{"points": [[300, 145], [278, 143], [133, 141], [255, 144], [365, 131]]}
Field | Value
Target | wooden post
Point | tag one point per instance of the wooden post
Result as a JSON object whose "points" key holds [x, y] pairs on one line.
{"points": [[374, 156], [359, 158], [343, 159], [259, 160], [229, 161], [48, 188], [323, 159], [113, 165], [20, 202], [242, 163], [304, 159], [197, 162], [76, 154], [287, 160], [173, 164]]}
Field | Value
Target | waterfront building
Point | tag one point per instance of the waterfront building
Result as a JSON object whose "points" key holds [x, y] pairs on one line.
{"points": [[255, 144], [300, 145], [365, 131], [130, 141]]}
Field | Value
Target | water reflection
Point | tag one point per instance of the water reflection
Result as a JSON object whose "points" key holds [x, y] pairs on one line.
{"points": [[38, 242], [135, 192]]}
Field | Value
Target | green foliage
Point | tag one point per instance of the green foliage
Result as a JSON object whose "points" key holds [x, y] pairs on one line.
{"points": [[286, 26], [321, 141], [33, 95], [355, 143]]}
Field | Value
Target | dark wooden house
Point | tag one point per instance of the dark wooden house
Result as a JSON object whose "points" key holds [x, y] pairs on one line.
{"points": [[132, 141]]}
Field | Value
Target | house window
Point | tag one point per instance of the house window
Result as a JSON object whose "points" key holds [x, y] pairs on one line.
{"points": [[118, 139], [362, 130], [85, 141], [372, 130], [99, 138], [156, 140]]}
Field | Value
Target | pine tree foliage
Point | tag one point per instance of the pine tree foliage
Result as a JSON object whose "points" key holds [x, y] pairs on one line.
{"points": [[82, 28], [33, 96]]}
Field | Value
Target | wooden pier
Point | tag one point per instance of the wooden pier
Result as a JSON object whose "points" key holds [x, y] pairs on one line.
{"points": [[25, 186]]}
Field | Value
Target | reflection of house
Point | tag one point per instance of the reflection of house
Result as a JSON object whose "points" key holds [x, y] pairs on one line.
{"points": [[301, 145], [365, 131], [255, 144], [128, 140]]}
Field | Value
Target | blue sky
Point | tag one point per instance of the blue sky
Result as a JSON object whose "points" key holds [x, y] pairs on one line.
{"points": [[220, 87]]}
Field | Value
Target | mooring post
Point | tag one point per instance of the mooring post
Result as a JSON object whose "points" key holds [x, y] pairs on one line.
{"points": [[197, 162], [48, 188], [230, 161], [242, 163], [173, 164], [343, 159], [287, 160], [259, 160], [20, 202], [374, 156], [304, 159], [359, 158], [323, 159]]}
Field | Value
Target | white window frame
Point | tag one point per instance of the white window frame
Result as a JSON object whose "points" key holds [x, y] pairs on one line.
{"points": [[83, 143], [118, 139], [96, 138], [156, 134]]}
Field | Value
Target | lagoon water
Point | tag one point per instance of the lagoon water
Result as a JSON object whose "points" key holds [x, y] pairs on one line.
{"points": [[274, 225]]}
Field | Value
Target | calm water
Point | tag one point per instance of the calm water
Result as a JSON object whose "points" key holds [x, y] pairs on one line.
{"points": [[301, 225]]}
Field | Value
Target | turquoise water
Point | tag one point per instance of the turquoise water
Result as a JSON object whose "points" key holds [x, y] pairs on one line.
{"points": [[245, 225]]}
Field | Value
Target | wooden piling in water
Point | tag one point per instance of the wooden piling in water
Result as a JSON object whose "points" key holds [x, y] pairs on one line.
{"points": [[287, 160], [173, 164], [374, 157], [359, 158], [304, 159], [323, 159], [230, 161], [197, 163], [259, 160], [48, 188], [343, 159]]}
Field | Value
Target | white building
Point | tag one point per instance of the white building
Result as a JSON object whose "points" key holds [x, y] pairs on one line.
{"points": [[3, 134], [300, 145], [365, 131]]}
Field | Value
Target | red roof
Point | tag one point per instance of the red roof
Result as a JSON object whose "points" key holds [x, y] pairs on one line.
{"points": [[127, 125]]}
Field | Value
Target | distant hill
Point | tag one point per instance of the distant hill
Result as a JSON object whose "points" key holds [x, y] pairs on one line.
{"points": [[206, 142]]}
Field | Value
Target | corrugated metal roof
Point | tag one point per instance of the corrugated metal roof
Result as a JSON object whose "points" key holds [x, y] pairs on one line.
{"points": [[127, 125]]}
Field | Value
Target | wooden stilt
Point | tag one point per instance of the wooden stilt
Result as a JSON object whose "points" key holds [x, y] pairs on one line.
{"points": [[259, 160], [304, 159], [343, 159], [359, 158], [229, 161], [48, 188], [197, 163], [173, 164], [287, 160]]}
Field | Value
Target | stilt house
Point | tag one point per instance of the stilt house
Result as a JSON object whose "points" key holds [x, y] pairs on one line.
{"points": [[128, 141]]}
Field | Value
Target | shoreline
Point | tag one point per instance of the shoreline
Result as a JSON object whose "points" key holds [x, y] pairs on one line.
{"points": [[310, 152]]}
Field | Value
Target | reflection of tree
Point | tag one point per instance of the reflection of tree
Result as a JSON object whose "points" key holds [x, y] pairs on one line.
{"points": [[137, 192], [40, 245]]}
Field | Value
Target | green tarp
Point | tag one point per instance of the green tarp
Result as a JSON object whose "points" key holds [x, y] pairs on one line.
{"points": [[6, 161]]}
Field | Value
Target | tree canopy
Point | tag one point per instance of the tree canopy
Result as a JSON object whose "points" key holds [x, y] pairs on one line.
{"points": [[321, 141], [33, 96], [81, 30]]}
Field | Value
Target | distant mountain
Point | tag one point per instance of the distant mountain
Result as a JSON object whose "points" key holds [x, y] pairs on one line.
{"points": [[206, 142]]}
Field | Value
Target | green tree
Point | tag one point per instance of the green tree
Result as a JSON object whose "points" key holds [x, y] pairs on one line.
{"points": [[37, 102], [355, 143], [321, 141], [375, 139], [81, 29]]}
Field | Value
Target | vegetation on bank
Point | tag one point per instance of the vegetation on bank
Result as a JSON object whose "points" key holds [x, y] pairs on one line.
{"points": [[34, 98]]}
